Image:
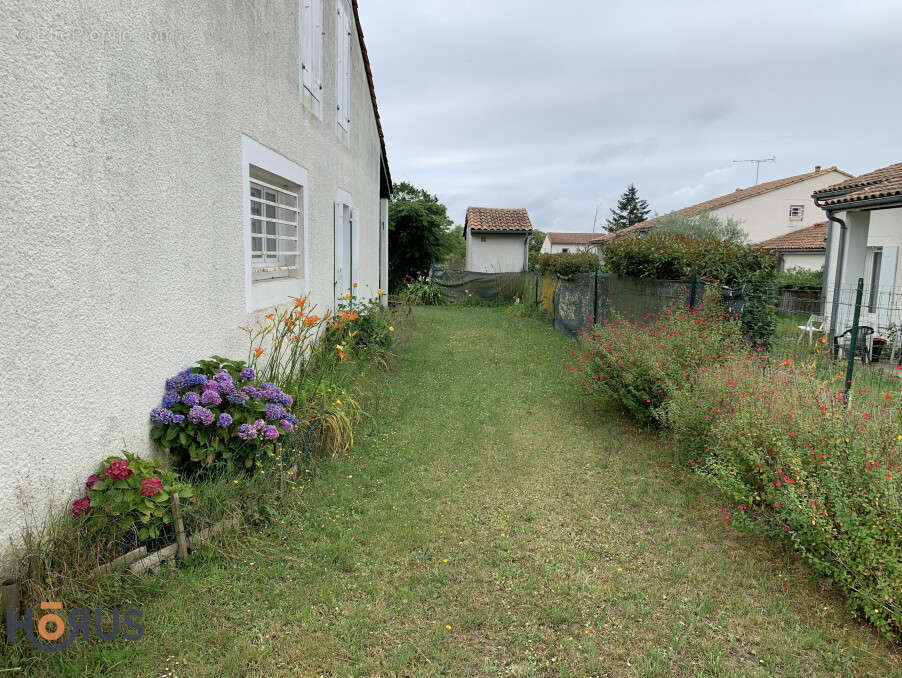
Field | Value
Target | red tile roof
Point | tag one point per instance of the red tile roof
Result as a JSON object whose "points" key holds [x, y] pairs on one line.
{"points": [[722, 201], [571, 238], [369, 80], [885, 182], [809, 239], [498, 220]]}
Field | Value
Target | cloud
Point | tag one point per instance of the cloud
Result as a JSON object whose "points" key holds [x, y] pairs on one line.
{"points": [[514, 103]]}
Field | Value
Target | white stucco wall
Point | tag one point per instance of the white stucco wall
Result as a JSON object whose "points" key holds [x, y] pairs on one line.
{"points": [[557, 248], [811, 262], [122, 205], [498, 254], [767, 216]]}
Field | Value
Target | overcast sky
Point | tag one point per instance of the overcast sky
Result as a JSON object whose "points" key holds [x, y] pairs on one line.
{"points": [[557, 106]]}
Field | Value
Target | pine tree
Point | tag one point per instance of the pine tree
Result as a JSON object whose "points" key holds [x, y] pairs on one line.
{"points": [[630, 210]]}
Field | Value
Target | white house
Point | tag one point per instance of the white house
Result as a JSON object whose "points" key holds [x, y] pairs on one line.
{"points": [[804, 248], [170, 171], [768, 210], [556, 243], [863, 240], [497, 239]]}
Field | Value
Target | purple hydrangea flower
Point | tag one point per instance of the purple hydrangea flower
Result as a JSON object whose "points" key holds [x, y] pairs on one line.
{"points": [[210, 398], [191, 399], [247, 432], [237, 398], [223, 377], [195, 379], [252, 391], [211, 385], [286, 400], [287, 426], [266, 385], [200, 415], [178, 382], [170, 398], [247, 373], [274, 411], [259, 424], [161, 415], [293, 419], [272, 394], [224, 420], [178, 418], [270, 432]]}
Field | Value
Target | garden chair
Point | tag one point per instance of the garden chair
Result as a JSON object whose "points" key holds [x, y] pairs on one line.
{"points": [[863, 345], [815, 325]]}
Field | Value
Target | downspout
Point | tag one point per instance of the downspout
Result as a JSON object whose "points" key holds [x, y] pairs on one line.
{"points": [[837, 283]]}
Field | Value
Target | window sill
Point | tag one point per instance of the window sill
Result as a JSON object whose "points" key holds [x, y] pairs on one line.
{"points": [[268, 293]]}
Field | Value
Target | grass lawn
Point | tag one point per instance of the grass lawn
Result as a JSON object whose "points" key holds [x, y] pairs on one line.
{"points": [[488, 523]]}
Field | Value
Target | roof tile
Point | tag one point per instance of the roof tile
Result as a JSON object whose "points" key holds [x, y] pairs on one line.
{"points": [[809, 239], [885, 182], [498, 220]]}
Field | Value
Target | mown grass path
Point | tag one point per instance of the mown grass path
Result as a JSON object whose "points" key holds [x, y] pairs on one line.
{"points": [[488, 523]]}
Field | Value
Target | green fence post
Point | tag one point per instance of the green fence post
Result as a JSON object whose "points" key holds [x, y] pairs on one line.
{"points": [[537, 288], [693, 290], [595, 301], [853, 339]]}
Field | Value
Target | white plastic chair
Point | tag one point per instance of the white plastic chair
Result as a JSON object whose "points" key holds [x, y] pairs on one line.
{"points": [[815, 325]]}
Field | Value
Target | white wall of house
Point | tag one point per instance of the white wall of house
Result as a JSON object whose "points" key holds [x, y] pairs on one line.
{"points": [[768, 216], [807, 260], [124, 208], [556, 248], [496, 252]]}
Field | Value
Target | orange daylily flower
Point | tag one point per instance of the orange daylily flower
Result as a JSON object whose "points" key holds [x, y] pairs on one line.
{"points": [[299, 302], [258, 352], [311, 320]]}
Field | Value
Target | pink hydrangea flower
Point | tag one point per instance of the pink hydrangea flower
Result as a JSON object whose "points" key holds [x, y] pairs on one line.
{"points": [[118, 470], [93, 478], [81, 506], [150, 487]]}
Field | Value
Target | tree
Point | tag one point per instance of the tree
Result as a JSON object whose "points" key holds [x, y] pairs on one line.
{"points": [[630, 210], [703, 225], [455, 249], [418, 226], [536, 240]]}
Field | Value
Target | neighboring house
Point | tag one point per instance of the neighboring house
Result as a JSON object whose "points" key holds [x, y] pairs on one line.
{"points": [[800, 249], [497, 239], [863, 241], [555, 243], [766, 210], [158, 192]]}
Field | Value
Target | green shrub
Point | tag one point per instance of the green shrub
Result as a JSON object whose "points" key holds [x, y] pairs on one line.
{"points": [[568, 263], [422, 292], [749, 272], [641, 366], [796, 462], [703, 225], [132, 493], [800, 277]]}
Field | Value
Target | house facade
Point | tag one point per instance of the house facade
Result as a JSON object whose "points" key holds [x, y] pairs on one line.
{"points": [[170, 173], [556, 243], [767, 210], [497, 239], [863, 240], [803, 249]]}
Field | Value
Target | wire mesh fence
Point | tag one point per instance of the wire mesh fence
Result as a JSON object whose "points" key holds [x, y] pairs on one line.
{"points": [[851, 337]]}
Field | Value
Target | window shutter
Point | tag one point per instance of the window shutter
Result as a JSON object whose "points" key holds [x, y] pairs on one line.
{"points": [[355, 248], [886, 284], [339, 250], [317, 60], [339, 67], [305, 45], [347, 71]]}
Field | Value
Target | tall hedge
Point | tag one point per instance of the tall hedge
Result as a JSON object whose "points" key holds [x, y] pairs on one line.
{"points": [[568, 263], [751, 273]]}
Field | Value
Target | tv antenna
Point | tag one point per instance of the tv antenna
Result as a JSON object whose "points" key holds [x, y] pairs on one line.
{"points": [[758, 162]]}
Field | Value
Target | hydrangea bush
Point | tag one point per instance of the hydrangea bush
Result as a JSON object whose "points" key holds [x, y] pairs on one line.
{"points": [[132, 492], [216, 415]]}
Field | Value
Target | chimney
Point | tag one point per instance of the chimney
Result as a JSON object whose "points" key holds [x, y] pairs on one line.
{"points": [[817, 168]]}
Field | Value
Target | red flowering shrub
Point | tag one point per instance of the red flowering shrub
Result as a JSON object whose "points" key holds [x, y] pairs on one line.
{"points": [[802, 465], [640, 365], [132, 493]]}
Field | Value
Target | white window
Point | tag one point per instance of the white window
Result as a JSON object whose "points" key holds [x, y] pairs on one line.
{"points": [[310, 33], [343, 68], [276, 211], [796, 212], [275, 226]]}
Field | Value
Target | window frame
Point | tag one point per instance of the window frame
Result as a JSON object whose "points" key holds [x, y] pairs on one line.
{"points": [[265, 293], [801, 209], [343, 26]]}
